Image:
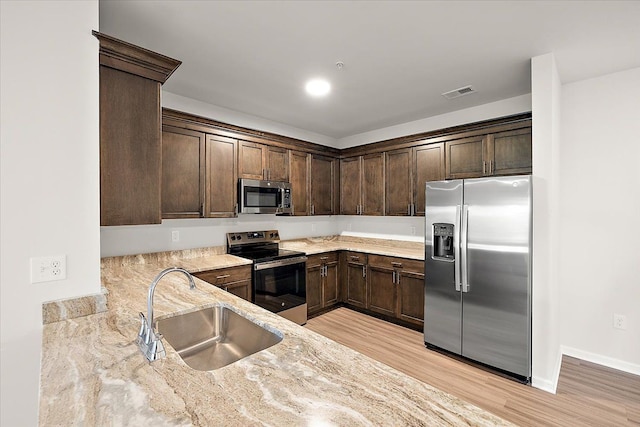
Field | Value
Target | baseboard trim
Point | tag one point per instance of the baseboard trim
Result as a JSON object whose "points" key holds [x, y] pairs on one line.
{"points": [[599, 359]]}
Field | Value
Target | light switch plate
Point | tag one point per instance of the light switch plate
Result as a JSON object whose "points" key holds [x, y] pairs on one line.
{"points": [[48, 268]]}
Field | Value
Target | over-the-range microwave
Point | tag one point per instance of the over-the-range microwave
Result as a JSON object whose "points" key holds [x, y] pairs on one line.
{"points": [[264, 197]]}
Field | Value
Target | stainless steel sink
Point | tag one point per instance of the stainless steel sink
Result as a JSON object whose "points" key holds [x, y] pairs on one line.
{"points": [[214, 337]]}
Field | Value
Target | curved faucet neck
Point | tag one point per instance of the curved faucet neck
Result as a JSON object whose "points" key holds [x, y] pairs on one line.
{"points": [[152, 289]]}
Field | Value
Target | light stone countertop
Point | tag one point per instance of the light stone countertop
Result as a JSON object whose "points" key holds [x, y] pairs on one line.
{"points": [[396, 248], [93, 373]]}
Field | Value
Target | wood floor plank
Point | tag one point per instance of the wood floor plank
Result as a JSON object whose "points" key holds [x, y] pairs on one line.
{"points": [[588, 394]]}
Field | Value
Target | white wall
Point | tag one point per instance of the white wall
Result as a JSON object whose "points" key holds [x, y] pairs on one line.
{"points": [[505, 107], [221, 114], [546, 95], [599, 222], [49, 178]]}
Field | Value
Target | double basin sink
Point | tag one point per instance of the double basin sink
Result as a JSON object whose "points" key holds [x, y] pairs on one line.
{"points": [[215, 336]]}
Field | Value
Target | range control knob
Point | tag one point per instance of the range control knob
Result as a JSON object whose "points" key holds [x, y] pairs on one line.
{"points": [[233, 237]]}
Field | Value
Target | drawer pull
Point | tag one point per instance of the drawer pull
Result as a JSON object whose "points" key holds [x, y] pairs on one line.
{"points": [[355, 258], [396, 264], [224, 276], [324, 257]]}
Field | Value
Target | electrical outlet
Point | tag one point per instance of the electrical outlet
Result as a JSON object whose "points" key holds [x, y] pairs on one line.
{"points": [[48, 268], [413, 230], [175, 236], [620, 321]]}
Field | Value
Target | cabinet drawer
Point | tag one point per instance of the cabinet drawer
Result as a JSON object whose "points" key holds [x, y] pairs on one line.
{"points": [[405, 264], [323, 258], [224, 276], [356, 257]]}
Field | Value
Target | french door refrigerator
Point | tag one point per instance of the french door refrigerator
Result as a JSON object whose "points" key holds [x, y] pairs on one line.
{"points": [[478, 271]]}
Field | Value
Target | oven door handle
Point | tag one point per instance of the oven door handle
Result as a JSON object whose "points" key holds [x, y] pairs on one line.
{"points": [[279, 263]]}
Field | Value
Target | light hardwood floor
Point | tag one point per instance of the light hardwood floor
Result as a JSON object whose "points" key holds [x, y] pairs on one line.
{"points": [[587, 394]]}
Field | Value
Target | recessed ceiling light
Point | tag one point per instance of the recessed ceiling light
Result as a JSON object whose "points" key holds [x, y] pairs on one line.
{"points": [[317, 87]]}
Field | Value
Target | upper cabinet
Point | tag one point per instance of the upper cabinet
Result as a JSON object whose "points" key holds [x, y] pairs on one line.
{"points": [[130, 132], [362, 185], [406, 172], [500, 153], [323, 176], [199, 174], [300, 165], [259, 161]]}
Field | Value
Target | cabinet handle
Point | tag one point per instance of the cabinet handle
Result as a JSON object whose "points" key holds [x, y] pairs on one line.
{"points": [[235, 209], [491, 167], [409, 209], [413, 209], [397, 264], [313, 210], [226, 289], [393, 277], [224, 276], [202, 210], [364, 271], [355, 258], [484, 168], [397, 278], [324, 257]]}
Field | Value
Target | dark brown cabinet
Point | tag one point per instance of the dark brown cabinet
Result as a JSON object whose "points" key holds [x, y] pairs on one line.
{"points": [[500, 153], [355, 279], [183, 173], [362, 185], [130, 131], [300, 164], [235, 280], [322, 282], [428, 165], [221, 177], [396, 288], [322, 177], [259, 161], [406, 172], [198, 174]]}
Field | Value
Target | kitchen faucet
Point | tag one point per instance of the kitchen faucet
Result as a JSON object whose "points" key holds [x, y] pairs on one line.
{"points": [[148, 339]]}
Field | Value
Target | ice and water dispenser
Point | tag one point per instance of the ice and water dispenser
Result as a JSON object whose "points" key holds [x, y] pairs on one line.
{"points": [[443, 242]]}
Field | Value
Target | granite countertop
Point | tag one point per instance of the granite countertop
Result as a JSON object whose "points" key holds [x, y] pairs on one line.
{"points": [[93, 373], [396, 248]]}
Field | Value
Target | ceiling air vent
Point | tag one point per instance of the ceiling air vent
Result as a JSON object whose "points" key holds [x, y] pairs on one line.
{"points": [[459, 92]]}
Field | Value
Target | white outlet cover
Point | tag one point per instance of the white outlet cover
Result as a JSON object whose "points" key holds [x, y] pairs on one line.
{"points": [[48, 268]]}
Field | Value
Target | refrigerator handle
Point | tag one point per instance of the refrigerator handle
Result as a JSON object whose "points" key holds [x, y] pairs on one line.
{"points": [[456, 249], [463, 247]]}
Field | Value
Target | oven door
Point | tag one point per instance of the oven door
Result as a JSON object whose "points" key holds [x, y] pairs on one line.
{"points": [[280, 286]]}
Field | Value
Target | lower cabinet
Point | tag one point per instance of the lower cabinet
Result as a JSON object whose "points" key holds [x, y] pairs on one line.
{"points": [[380, 285], [355, 283], [235, 280], [322, 282]]}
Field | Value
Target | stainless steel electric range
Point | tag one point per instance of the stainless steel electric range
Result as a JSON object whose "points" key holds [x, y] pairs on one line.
{"points": [[279, 276]]}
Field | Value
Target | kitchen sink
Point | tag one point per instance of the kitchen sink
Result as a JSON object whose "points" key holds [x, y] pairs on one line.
{"points": [[216, 336]]}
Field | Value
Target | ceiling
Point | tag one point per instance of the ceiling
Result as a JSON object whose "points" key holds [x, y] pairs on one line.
{"points": [[254, 57]]}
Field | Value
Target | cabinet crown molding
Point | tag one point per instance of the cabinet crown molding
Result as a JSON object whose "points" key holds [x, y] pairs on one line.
{"points": [[123, 56]]}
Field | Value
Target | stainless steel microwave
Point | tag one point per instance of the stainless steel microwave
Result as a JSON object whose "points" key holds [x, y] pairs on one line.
{"points": [[264, 197]]}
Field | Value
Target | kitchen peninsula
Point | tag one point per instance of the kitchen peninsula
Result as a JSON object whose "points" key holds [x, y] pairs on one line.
{"points": [[93, 373]]}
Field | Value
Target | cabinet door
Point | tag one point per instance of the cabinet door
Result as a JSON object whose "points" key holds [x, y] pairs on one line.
{"points": [[221, 177], [350, 188], [314, 288], [373, 184], [322, 176], [241, 289], [510, 152], [299, 179], [411, 297], [428, 166], [382, 290], [251, 160], [330, 290], [356, 289], [183, 172], [130, 149], [398, 182], [277, 164], [465, 158]]}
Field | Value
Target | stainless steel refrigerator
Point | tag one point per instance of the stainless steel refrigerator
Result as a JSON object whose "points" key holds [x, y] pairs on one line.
{"points": [[478, 271]]}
